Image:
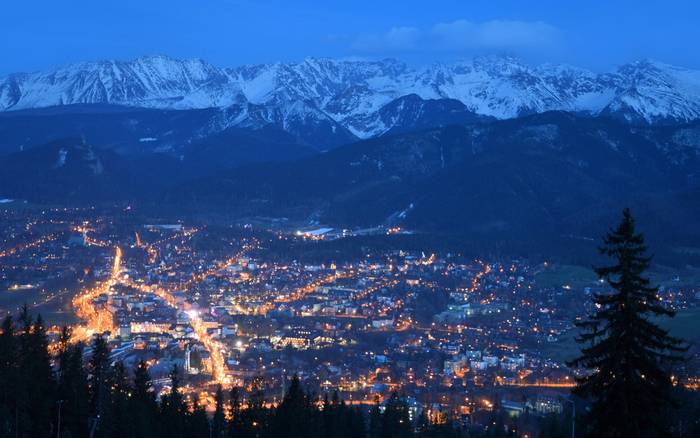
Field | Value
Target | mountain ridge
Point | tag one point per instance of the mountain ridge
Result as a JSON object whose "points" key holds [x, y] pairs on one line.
{"points": [[349, 95]]}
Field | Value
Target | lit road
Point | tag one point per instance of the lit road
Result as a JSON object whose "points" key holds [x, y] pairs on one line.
{"points": [[33, 244], [96, 321], [301, 292], [99, 322]]}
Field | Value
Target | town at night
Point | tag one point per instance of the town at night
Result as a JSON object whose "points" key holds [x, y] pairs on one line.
{"points": [[350, 219], [249, 306]]}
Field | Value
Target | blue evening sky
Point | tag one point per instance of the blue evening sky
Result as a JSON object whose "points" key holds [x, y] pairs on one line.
{"points": [[598, 34]]}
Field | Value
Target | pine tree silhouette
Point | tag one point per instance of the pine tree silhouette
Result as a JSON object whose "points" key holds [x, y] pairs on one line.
{"points": [[142, 404], [218, 420], [627, 354], [296, 415], [72, 393], [9, 374], [173, 408]]}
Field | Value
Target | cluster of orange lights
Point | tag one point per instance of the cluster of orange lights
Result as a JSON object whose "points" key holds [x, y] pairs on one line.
{"points": [[197, 278], [215, 348], [301, 292], [95, 321], [38, 242], [372, 289], [100, 322]]}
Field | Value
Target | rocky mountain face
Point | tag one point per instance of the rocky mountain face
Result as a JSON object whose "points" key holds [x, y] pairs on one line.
{"points": [[326, 102]]}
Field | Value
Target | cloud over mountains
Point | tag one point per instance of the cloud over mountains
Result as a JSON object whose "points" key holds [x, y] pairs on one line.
{"points": [[462, 36]]}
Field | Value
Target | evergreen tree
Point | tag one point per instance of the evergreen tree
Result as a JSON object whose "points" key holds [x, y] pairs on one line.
{"points": [[254, 421], [142, 404], [235, 404], [355, 421], [686, 422], [340, 421], [443, 430], [72, 395], [396, 422], [555, 426], [173, 408], [296, 415], [219, 420], [375, 422], [627, 354], [116, 422], [35, 410], [197, 423], [8, 377], [329, 417], [98, 369], [24, 359], [498, 428]]}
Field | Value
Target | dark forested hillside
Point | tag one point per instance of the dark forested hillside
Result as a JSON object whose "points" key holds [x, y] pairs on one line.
{"points": [[550, 175], [553, 171]]}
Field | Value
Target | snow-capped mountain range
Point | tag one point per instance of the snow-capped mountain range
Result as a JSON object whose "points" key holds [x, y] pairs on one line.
{"points": [[360, 97]]}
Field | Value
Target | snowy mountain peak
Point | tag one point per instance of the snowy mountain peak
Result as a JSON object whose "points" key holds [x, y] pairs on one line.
{"points": [[651, 91], [350, 93]]}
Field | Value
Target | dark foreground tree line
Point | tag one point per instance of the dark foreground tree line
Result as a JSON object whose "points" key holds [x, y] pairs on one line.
{"points": [[626, 389], [43, 394]]}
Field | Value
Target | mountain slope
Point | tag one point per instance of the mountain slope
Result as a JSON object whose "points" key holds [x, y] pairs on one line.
{"points": [[548, 173], [69, 171], [125, 130], [543, 176], [193, 136]]}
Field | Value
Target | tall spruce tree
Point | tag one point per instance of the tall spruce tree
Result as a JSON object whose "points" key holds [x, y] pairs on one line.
{"points": [[340, 421], [143, 407], [22, 414], [236, 407], [9, 372], [330, 416], [627, 355], [198, 425], [72, 396], [396, 422], [117, 422], [218, 421], [173, 407], [98, 368], [36, 391], [375, 421], [255, 419], [296, 415]]}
